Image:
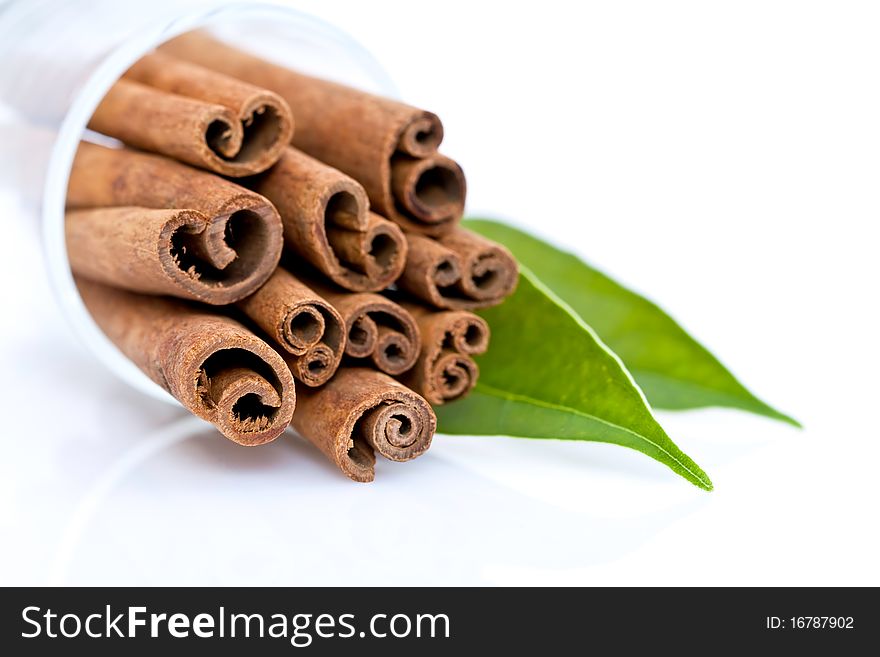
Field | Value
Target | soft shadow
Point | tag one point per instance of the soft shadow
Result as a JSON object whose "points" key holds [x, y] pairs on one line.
{"points": [[195, 509]]}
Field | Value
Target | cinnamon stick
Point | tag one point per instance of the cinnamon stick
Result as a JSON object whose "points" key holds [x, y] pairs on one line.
{"points": [[211, 364], [389, 147], [360, 412], [166, 228], [309, 329], [445, 370], [196, 115], [461, 270], [327, 222], [428, 193], [377, 330]]}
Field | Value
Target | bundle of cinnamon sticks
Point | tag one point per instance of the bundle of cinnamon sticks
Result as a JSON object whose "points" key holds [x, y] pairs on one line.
{"points": [[275, 249]]}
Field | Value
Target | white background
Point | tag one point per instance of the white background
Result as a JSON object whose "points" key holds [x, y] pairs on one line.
{"points": [[724, 159]]}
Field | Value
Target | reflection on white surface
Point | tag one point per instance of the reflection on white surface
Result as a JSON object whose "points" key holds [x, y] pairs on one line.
{"points": [[186, 506], [114, 476]]}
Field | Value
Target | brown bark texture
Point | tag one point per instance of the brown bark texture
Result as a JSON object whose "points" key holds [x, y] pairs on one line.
{"points": [[327, 223], [458, 271], [211, 364], [387, 146], [445, 369], [150, 224], [196, 115], [360, 412], [378, 331], [308, 328]]}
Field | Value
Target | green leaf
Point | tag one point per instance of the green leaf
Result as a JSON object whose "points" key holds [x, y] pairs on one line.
{"points": [[547, 375], [672, 368]]}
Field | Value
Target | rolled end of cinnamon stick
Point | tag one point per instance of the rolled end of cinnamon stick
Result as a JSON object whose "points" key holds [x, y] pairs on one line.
{"points": [[429, 192], [361, 411], [489, 271], [422, 135], [401, 427], [305, 325], [316, 366], [397, 344], [445, 370], [211, 364], [219, 244], [377, 328], [197, 115], [327, 222], [176, 126], [182, 253], [461, 270], [374, 256]]}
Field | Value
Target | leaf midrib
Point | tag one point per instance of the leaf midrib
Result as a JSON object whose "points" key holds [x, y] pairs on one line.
{"points": [[510, 396]]}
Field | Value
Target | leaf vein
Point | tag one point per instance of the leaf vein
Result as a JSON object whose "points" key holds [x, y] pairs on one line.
{"points": [[512, 396]]}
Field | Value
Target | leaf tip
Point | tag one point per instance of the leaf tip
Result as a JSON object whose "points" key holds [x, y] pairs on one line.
{"points": [[768, 411], [789, 420], [699, 478]]}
